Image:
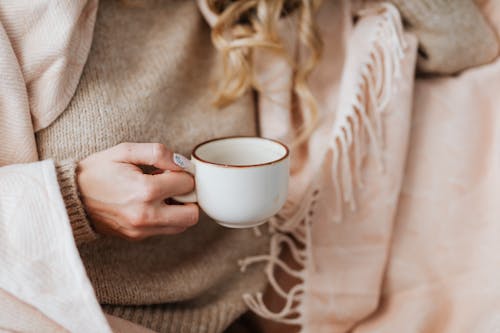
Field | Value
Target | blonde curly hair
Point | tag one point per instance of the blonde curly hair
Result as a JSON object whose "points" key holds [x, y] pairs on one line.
{"points": [[245, 25]]}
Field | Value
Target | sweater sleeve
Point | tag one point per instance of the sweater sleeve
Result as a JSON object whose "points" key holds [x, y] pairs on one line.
{"points": [[80, 224], [452, 35]]}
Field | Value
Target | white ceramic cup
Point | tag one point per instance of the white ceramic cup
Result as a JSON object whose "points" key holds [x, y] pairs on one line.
{"points": [[240, 181]]}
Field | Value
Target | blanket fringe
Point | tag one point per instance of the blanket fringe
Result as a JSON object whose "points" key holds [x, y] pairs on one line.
{"points": [[294, 232], [359, 127], [357, 131]]}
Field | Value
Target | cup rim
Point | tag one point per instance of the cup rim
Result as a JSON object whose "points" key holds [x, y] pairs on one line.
{"points": [[287, 151]]}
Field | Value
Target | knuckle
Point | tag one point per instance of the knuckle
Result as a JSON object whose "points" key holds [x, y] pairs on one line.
{"points": [[193, 216], [135, 221], [139, 217], [133, 235], [147, 190], [159, 152], [124, 148]]}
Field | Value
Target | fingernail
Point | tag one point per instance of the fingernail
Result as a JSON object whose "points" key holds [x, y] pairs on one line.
{"points": [[181, 161]]}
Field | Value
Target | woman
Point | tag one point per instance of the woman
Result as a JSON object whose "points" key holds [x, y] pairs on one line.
{"points": [[144, 94], [147, 90]]}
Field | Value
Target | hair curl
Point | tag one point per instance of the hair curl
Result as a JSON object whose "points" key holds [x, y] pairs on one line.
{"points": [[245, 25]]}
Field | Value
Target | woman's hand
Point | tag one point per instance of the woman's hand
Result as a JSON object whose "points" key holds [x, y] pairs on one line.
{"points": [[123, 201]]}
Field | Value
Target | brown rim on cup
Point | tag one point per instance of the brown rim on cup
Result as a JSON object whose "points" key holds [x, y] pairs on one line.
{"points": [[287, 151]]}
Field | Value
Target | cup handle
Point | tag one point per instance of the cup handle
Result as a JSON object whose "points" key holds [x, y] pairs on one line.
{"points": [[190, 197]]}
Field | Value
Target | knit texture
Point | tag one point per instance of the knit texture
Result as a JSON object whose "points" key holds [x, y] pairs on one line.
{"points": [[453, 34], [149, 78], [80, 225]]}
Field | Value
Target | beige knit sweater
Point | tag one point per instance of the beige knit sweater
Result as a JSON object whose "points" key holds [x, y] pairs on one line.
{"points": [[148, 79]]}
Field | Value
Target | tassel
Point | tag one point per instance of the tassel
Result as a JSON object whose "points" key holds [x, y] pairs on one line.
{"points": [[357, 132], [360, 128]]}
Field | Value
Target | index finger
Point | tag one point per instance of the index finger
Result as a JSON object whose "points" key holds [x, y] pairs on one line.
{"points": [[155, 154]]}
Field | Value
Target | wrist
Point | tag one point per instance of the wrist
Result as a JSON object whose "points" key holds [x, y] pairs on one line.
{"points": [[67, 173]]}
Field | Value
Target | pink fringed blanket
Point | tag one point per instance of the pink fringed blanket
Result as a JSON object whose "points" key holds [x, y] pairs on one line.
{"points": [[340, 235], [392, 220]]}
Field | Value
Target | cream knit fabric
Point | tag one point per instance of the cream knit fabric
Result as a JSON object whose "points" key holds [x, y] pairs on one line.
{"points": [[148, 80], [453, 34]]}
